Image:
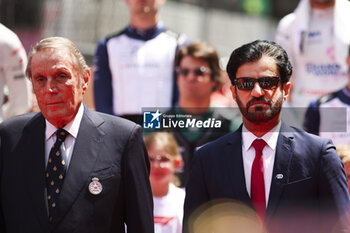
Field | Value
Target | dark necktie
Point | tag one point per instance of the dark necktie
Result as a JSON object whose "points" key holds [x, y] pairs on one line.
{"points": [[257, 191], [55, 172]]}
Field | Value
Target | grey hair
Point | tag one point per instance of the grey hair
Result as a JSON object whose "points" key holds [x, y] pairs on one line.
{"points": [[58, 43]]}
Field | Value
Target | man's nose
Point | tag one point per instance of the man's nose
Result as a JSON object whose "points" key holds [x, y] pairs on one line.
{"points": [[257, 91], [192, 76], [51, 85]]}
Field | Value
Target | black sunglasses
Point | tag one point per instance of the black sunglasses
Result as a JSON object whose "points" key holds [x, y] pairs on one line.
{"points": [[266, 83], [197, 72]]}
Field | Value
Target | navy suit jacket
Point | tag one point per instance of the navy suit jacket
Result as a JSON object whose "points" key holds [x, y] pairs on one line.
{"points": [[308, 181], [106, 147]]}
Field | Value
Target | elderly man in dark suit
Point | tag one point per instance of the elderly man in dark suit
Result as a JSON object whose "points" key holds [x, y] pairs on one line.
{"points": [[291, 180], [67, 168]]}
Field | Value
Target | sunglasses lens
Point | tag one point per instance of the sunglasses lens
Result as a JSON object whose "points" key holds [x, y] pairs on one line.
{"points": [[268, 83], [198, 71], [245, 83], [184, 72]]}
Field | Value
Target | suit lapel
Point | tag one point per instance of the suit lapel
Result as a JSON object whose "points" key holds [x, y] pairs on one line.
{"points": [[235, 166], [85, 152], [280, 175], [33, 154]]}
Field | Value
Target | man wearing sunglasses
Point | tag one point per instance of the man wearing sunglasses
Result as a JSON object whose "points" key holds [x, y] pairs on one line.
{"points": [[198, 76], [293, 181]]}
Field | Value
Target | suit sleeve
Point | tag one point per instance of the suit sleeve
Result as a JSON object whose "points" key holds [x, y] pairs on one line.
{"points": [[333, 185], [103, 94], [138, 194], [196, 192]]}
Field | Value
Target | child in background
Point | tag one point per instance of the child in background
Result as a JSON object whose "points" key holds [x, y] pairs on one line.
{"points": [[168, 199]]}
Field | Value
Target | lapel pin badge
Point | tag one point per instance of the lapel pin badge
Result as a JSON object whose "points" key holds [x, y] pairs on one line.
{"points": [[95, 187], [279, 176]]}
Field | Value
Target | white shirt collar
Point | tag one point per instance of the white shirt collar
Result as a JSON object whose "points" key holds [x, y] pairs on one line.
{"points": [[72, 127], [270, 137]]}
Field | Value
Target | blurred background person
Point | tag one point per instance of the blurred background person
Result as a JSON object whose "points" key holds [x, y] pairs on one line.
{"points": [[326, 117], [316, 36], [344, 153], [222, 97], [168, 199], [15, 89], [134, 68], [198, 76]]}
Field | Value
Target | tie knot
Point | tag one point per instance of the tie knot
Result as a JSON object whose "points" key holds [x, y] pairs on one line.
{"points": [[61, 134], [259, 144]]}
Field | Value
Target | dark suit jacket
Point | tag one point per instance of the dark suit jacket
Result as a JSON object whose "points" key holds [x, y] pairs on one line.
{"points": [[107, 147], [312, 192]]}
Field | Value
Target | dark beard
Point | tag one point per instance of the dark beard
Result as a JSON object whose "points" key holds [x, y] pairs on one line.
{"points": [[259, 114]]}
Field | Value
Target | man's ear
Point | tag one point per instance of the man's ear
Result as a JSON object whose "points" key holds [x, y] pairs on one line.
{"points": [[286, 90], [86, 79], [215, 86]]}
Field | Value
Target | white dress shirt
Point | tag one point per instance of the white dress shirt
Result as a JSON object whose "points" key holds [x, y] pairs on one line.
{"points": [[269, 151], [72, 128]]}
